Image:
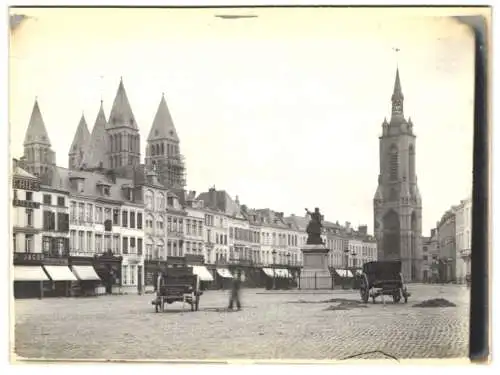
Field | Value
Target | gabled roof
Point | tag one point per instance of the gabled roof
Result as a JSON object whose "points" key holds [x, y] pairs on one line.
{"points": [[61, 181], [18, 171], [82, 137], [36, 132], [163, 126], [220, 200], [95, 152], [121, 113]]}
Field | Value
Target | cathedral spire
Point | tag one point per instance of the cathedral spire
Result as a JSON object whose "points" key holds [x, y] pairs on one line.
{"points": [[97, 146], [79, 145], [82, 135], [163, 126], [121, 112], [36, 132], [397, 96]]}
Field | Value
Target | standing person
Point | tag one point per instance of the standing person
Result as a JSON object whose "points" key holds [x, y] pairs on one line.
{"points": [[235, 292]]}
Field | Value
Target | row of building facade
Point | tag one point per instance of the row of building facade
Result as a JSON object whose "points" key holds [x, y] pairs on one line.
{"points": [[125, 220], [447, 251]]}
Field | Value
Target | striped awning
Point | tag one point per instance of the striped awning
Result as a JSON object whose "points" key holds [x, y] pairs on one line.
{"points": [[60, 273], [343, 273], [224, 272], [29, 273], [202, 273]]}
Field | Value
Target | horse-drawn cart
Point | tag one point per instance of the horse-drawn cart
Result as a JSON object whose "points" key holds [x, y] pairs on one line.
{"points": [[178, 284], [383, 278]]}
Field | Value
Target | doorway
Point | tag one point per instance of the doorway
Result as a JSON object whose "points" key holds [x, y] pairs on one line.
{"points": [[139, 279]]}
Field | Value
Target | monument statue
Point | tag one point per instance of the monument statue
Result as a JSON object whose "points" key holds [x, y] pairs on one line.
{"points": [[314, 228]]}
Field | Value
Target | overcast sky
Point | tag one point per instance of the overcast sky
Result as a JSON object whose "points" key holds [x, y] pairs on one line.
{"points": [[283, 110]]}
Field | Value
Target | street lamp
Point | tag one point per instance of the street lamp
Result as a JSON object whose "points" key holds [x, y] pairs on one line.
{"points": [[274, 268]]}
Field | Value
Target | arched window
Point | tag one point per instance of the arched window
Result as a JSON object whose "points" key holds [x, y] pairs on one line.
{"points": [[412, 163], [393, 163], [159, 224], [160, 202], [160, 246], [149, 221], [163, 148], [149, 200]]}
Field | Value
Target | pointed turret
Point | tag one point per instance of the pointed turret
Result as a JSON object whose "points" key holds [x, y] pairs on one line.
{"points": [[121, 112], [397, 100], [95, 152], [36, 132], [162, 150], [38, 155], [79, 144], [398, 92], [163, 127]]}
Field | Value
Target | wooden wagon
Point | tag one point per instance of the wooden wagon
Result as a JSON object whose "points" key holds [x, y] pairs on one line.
{"points": [[383, 278], [177, 284]]}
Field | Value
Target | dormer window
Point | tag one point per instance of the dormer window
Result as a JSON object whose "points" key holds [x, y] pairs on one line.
{"points": [[106, 191], [79, 186]]}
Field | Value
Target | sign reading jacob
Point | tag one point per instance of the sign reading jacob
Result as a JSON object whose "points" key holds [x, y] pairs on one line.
{"points": [[25, 184]]}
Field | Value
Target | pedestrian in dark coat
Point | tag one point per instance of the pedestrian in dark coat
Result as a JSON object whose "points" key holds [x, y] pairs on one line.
{"points": [[235, 292]]}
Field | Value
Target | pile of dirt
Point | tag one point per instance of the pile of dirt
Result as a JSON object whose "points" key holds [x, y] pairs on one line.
{"points": [[436, 302], [346, 305]]}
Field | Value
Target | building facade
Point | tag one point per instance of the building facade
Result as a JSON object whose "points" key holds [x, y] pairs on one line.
{"points": [[446, 240], [397, 201], [463, 238]]}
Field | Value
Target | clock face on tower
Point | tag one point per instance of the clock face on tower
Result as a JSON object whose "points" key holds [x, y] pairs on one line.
{"points": [[397, 106]]}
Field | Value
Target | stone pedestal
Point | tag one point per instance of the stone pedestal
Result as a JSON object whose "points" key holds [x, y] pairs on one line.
{"points": [[315, 273]]}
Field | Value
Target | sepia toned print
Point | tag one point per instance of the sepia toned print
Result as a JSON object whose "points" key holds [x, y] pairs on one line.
{"points": [[162, 160]]}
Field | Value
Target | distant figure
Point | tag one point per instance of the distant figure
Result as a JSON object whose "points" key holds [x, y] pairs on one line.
{"points": [[235, 291], [314, 228]]}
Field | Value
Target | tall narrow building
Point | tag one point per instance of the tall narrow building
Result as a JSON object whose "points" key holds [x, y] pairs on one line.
{"points": [[38, 156], [162, 150], [79, 145], [123, 133], [94, 157], [397, 201]]}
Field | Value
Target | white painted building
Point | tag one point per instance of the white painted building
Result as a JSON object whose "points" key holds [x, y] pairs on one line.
{"points": [[26, 215], [463, 236]]}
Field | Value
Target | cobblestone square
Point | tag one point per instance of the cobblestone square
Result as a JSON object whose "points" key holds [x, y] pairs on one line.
{"points": [[287, 325]]}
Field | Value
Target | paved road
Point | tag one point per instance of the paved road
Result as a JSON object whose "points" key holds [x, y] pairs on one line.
{"points": [[271, 326]]}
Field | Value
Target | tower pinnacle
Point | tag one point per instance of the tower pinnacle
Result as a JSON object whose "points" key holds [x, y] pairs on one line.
{"points": [[397, 96]]}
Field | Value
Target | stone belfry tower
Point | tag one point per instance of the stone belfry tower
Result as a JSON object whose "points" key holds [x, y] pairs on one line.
{"points": [[123, 133], [79, 145], [162, 150], [38, 157], [397, 202]]}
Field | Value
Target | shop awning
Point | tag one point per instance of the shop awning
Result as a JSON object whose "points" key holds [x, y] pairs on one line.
{"points": [[281, 273], [224, 272], [269, 272], [343, 273], [29, 273], [85, 273], [60, 273], [203, 273]]}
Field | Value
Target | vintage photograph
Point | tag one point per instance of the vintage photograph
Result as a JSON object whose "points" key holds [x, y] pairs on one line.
{"points": [[240, 183]]}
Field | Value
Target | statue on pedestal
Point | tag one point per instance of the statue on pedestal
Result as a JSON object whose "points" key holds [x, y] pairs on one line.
{"points": [[314, 228]]}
